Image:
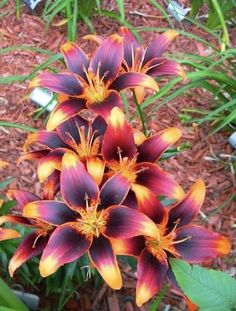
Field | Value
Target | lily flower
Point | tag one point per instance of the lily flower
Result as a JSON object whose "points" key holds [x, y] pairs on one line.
{"points": [[134, 156], [76, 135], [91, 83], [149, 61], [33, 243], [95, 217], [177, 238]]}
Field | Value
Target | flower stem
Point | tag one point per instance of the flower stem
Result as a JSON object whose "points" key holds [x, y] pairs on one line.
{"points": [[140, 112]]}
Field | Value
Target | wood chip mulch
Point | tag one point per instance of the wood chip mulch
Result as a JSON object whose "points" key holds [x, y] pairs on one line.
{"points": [[196, 162]]}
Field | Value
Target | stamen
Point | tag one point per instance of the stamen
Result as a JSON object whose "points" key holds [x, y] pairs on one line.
{"points": [[183, 240], [87, 201], [35, 241], [132, 56], [141, 61], [146, 67]]}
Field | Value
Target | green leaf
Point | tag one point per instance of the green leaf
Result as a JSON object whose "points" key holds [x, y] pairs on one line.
{"points": [[18, 126], [121, 9], [8, 299], [211, 290], [6, 182], [160, 296]]}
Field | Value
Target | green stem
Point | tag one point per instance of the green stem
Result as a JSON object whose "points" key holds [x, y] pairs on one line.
{"points": [[17, 9], [140, 112], [69, 21]]}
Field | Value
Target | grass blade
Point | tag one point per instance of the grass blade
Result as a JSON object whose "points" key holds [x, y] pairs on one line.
{"points": [[18, 126]]}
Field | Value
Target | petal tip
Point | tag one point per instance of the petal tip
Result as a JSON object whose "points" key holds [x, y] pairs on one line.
{"points": [[171, 135], [224, 246], [198, 191], [66, 47], [117, 118], [171, 34], [48, 266], [116, 38], [142, 295], [54, 120]]}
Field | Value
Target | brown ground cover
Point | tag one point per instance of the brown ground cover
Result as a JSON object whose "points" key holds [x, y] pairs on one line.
{"points": [[186, 168]]}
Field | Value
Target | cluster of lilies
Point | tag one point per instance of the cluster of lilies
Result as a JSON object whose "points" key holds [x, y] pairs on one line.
{"points": [[101, 181]]}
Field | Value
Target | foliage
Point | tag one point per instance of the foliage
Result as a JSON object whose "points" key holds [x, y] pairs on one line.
{"points": [[220, 13], [8, 301], [208, 288]]}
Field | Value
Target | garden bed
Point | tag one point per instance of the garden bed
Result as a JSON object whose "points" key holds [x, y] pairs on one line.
{"points": [[194, 163]]}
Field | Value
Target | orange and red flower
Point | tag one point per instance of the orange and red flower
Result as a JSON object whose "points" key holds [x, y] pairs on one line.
{"points": [[33, 243], [94, 84], [134, 156], [94, 216], [75, 135], [177, 238]]}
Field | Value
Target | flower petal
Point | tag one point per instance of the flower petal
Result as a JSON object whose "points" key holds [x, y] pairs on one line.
{"points": [[15, 219], [158, 181], [99, 126], [158, 46], [31, 246], [183, 212], [96, 167], [129, 247], [132, 47], [124, 223], [201, 244], [7, 234], [51, 185], [77, 185], [104, 107], [33, 155], [64, 111], [22, 197], [118, 140], [66, 83], [103, 258], [114, 191], [108, 58], [65, 245], [133, 79], [152, 148], [68, 130], [95, 38], [50, 163], [131, 200], [52, 212], [49, 139], [75, 58], [148, 203], [165, 68], [151, 274]]}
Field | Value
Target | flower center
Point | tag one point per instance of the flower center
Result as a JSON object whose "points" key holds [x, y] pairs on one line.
{"points": [[160, 247], [92, 222], [125, 166], [88, 146], [95, 89]]}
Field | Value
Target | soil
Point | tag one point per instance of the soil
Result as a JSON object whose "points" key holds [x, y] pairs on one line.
{"points": [[196, 162]]}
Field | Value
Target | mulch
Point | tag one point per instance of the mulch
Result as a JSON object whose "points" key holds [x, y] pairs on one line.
{"points": [[190, 165]]}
